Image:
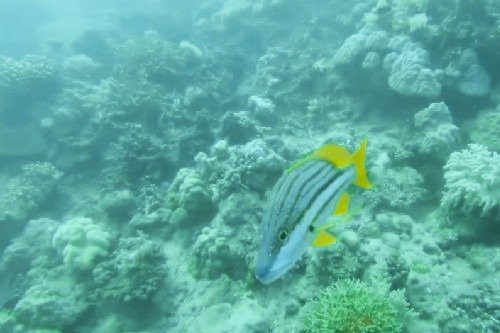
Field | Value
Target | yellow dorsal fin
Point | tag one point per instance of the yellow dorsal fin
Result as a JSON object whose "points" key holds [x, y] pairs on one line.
{"points": [[343, 204], [334, 154], [358, 159], [323, 238]]}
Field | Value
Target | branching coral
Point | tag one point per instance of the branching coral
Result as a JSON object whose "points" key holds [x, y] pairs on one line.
{"points": [[472, 184], [353, 307]]}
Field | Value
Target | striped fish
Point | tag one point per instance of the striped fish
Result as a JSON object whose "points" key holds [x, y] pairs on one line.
{"points": [[300, 205]]}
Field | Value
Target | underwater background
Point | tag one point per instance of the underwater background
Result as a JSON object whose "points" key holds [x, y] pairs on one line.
{"points": [[139, 141]]}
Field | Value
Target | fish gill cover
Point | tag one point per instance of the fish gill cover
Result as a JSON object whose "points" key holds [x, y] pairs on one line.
{"points": [[140, 142]]}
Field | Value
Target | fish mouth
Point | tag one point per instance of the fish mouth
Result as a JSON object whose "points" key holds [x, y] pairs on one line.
{"points": [[266, 275]]}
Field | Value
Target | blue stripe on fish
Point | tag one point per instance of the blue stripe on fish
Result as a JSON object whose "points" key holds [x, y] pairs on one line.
{"points": [[299, 178]]}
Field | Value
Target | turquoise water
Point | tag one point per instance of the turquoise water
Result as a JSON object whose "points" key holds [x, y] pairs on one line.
{"points": [[140, 141]]}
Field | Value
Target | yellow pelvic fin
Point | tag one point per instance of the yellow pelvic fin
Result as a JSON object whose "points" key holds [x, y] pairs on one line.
{"points": [[334, 154], [323, 238], [358, 159], [342, 205]]}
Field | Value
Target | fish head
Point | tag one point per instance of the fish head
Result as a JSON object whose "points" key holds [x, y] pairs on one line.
{"points": [[280, 249]]}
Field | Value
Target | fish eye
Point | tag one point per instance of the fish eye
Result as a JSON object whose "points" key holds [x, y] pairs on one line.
{"points": [[311, 228], [283, 235]]}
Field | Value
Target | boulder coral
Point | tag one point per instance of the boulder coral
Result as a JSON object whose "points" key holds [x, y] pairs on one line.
{"points": [[189, 198], [135, 271], [437, 136], [53, 303], [472, 182], [409, 70], [213, 256], [81, 242]]}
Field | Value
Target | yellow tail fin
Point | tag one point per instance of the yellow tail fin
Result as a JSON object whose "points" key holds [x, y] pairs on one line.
{"points": [[358, 159]]}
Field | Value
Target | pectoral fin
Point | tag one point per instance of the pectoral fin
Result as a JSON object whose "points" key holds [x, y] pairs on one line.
{"points": [[323, 238], [342, 205]]}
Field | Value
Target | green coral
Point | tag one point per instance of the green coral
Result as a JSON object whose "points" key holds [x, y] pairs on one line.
{"points": [[351, 306]]}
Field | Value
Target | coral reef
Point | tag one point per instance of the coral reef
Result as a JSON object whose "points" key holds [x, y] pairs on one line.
{"points": [[172, 122], [23, 76]]}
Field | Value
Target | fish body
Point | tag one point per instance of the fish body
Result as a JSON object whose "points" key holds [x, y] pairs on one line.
{"points": [[300, 205]]}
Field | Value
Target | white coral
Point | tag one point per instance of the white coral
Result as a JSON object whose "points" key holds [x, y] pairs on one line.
{"points": [[473, 181]]}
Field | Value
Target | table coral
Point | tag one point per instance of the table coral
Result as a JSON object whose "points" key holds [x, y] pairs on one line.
{"points": [[472, 182]]}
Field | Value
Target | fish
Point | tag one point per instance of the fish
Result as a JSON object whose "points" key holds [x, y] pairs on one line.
{"points": [[301, 204]]}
